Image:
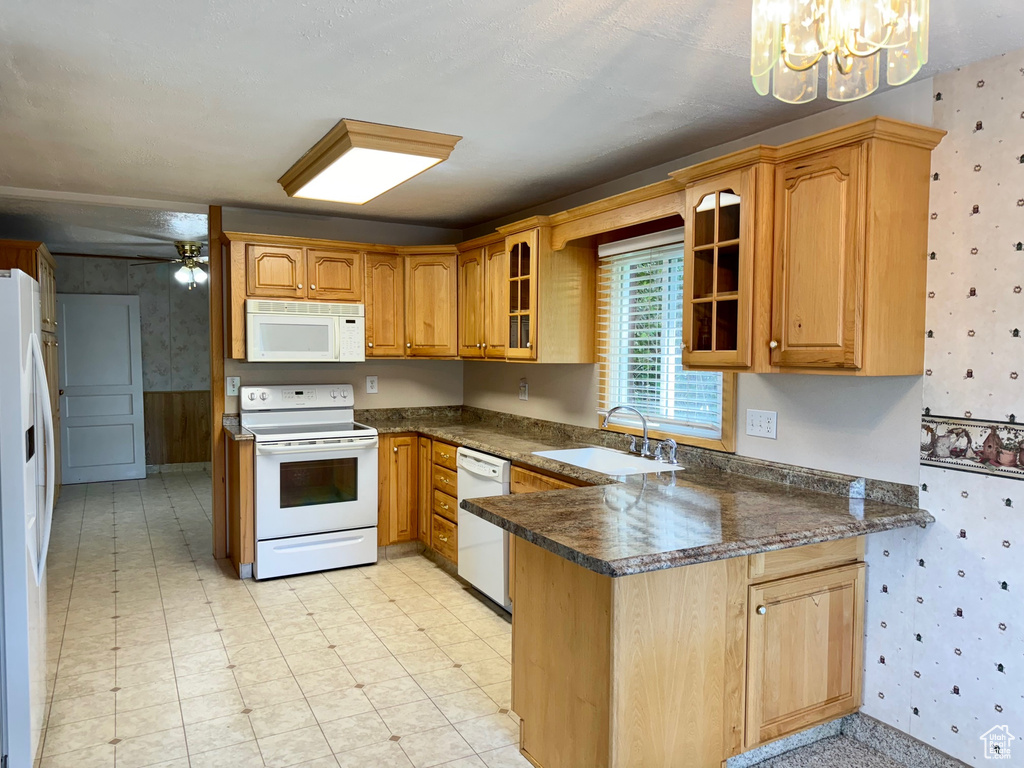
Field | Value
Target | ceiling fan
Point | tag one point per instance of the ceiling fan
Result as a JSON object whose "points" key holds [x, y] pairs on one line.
{"points": [[190, 257]]}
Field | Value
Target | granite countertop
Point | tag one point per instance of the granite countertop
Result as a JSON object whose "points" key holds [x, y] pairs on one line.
{"points": [[235, 432], [638, 523], [669, 519], [632, 524]]}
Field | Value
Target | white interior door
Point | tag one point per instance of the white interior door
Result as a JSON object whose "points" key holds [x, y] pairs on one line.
{"points": [[102, 431]]}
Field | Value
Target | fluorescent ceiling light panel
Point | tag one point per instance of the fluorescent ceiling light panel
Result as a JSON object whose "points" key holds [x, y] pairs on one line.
{"points": [[355, 162]]}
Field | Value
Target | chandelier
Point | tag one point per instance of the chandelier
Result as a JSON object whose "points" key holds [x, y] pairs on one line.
{"points": [[790, 37]]}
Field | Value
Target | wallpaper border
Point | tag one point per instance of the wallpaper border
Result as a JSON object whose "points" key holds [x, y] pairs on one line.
{"points": [[973, 445]]}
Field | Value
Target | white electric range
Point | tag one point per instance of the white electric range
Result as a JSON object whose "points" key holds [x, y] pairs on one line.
{"points": [[316, 479]]}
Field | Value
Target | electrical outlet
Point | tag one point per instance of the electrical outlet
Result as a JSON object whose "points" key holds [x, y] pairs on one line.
{"points": [[371, 385], [231, 385], [524, 390], [762, 423]]}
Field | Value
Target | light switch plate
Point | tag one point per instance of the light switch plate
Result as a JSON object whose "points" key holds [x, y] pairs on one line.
{"points": [[371, 385], [524, 390], [762, 423], [231, 385]]}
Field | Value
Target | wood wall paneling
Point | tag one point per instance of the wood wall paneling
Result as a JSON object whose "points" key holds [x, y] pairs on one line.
{"points": [[177, 426]]}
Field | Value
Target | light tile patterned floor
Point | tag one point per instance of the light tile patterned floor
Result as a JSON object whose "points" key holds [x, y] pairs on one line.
{"points": [[164, 658]]}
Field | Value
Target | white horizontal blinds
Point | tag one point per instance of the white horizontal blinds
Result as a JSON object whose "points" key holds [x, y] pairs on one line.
{"points": [[640, 335]]}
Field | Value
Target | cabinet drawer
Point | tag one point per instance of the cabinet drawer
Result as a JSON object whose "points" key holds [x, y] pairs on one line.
{"points": [[526, 481], [445, 480], [446, 506], [444, 454], [446, 538], [805, 559]]}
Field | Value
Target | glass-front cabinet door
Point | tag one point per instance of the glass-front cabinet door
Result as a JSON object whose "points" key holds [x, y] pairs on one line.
{"points": [[522, 295], [717, 282]]}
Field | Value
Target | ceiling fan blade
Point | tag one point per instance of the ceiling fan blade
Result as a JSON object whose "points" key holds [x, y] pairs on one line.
{"points": [[155, 261]]}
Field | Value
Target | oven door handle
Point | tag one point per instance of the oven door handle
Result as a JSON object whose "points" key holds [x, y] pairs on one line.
{"points": [[348, 445]]}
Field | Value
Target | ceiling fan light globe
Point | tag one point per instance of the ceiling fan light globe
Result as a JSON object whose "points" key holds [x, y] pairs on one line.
{"points": [[199, 275], [183, 275]]}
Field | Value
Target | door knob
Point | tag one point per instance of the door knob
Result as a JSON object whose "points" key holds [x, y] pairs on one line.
{"points": [[773, 344], [761, 610]]}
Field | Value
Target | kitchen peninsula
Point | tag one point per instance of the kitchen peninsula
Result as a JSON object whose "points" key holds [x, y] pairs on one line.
{"points": [[691, 612]]}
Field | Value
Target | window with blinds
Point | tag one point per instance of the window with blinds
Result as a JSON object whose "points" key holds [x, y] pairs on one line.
{"points": [[640, 335]]}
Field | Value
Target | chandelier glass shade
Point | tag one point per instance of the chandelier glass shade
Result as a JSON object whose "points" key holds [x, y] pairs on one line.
{"points": [[790, 38]]}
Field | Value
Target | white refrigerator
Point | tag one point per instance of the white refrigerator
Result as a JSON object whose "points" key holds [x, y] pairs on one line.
{"points": [[26, 512]]}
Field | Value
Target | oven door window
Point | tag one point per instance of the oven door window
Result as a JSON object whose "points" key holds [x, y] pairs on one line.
{"points": [[311, 483]]}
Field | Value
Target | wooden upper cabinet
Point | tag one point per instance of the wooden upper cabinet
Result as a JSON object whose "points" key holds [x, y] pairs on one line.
{"points": [[334, 275], [834, 228], [472, 303], [818, 298], [34, 259], [495, 301], [719, 269], [275, 271], [804, 651], [431, 317], [522, 255], [385, 305]]}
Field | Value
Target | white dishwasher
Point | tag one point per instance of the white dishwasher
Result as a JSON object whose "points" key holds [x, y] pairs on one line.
{"points": [[483, 546]]}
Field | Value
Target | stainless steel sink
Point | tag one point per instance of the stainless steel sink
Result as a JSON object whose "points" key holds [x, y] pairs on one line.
{"points": [[608, 461]]}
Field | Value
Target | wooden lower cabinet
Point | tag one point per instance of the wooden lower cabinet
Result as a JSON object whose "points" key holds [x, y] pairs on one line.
{"points": [[398, 511], [424, 502], [804, 651], [240, 506], [417, 493], [445, 538], [645, 668], [527, 481]]}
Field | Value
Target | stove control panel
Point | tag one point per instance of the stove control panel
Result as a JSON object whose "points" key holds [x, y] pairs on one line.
{"points": [[297, 397]]}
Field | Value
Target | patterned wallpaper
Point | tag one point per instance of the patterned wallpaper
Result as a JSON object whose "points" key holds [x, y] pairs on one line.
{"points": [[175, 321], [944, 651]]}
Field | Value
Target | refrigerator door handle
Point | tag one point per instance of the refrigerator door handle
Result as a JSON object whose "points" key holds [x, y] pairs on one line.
{"points": [[43, 391]]}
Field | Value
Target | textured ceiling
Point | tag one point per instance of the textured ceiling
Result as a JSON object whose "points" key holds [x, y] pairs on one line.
{"points": [[209, 102]]}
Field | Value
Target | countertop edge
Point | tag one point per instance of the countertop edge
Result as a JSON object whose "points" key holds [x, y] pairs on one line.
{"points": [[674, 559]]}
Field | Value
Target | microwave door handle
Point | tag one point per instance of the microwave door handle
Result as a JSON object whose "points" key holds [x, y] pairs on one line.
{"points": [[275, 450]]}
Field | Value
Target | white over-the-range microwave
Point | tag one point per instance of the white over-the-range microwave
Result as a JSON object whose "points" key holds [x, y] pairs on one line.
{"points": [[304, 332]]}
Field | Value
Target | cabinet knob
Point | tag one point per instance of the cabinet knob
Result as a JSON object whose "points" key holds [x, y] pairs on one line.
{"points": [[478, 346], [683, 345], [443, 505], [446, 455], [299, 285], [408, 345], [369, 344], [484, 345], [311, 287], [773, 344], [442, 538], [444, 480], [761, 610], [529, 344], [395, 450]]}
